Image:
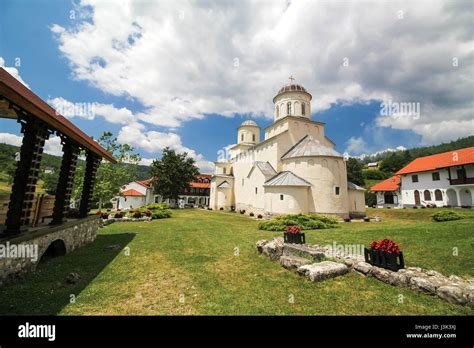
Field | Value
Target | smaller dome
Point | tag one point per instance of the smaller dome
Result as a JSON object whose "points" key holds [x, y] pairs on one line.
{"points": [[292, 88], [249, 123]]}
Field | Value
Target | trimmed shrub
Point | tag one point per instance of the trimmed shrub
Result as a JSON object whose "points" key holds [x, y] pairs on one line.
{"points": [[252, 214], [259, 216], [306, 222], [447, 215], [161, 214]]}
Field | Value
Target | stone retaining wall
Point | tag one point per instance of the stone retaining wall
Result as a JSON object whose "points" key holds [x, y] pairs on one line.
{"points": [[73, 234], [302, 257]]}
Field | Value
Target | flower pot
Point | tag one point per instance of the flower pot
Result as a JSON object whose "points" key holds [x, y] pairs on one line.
{"points": [[295, 238], [393, 262]]}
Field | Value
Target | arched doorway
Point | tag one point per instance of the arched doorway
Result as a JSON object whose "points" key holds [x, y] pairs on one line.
{"points": [[465, 197], [55, 249], [417, 197], [452, 198]]}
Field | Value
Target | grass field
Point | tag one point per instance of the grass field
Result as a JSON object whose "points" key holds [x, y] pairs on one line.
{"points": [[205, 262]]}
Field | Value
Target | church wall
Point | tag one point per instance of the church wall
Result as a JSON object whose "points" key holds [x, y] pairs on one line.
{"points": [[221, 197], [356, 203], [295, 199], [324, 174]]}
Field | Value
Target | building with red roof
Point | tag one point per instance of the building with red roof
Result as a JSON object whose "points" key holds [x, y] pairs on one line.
{"points": [[136, 194], [388, 192], [444, 179]]}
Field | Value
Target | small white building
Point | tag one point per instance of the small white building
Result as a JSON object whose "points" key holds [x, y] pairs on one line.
{"points": [[136, 194], [388, 193], [442, 180], [373, 165]]}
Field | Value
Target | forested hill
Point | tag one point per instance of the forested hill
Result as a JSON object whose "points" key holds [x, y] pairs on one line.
{"points": [[7, 162], [423, 151]]}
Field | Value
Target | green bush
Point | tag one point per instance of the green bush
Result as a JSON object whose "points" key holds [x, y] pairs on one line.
{"points": [[156, 206], [306, 222], [447, 215], [161, 214]]}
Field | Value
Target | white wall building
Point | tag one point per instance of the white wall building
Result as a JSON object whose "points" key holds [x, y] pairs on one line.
{"points": [[294, 169], [139, 193], [445, 179]]}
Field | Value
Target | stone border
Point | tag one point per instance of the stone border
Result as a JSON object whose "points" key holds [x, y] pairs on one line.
{"points": [[302, 257]]}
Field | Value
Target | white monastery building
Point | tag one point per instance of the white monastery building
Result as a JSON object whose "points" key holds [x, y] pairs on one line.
{"points": [[442, 180], [294, 169], [136, 194]]}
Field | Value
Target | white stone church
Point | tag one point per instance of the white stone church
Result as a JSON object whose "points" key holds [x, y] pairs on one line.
{"points": [[294, 169]]}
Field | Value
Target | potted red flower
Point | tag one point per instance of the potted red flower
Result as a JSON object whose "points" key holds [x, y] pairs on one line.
{"points": [[293, 235], [385, 253]]}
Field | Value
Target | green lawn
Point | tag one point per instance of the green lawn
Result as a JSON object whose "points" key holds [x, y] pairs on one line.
{"points": [[187, 265]]}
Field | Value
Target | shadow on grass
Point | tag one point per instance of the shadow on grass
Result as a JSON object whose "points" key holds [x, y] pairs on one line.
{"points": [[46, 291]]}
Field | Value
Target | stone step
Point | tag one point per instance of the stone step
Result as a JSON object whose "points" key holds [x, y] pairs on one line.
{"points": [[303, 251], [293, 262], [323, 270]]}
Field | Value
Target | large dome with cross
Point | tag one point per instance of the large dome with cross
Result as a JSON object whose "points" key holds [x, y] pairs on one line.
{"points": [[292, 100]]}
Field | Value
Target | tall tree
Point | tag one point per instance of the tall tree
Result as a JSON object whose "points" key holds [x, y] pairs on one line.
{"points": [[354, 171], [173, 173], [110, 177]]}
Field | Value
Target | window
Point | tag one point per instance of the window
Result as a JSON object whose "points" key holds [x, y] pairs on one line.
{"points": [[303, 109], [427, 195], [435, 176], [253, 137], [288, 108], [242, 137], [337, 190], [225, 170], [461, 173], [256, 190], [281, 197], [278, 111], [414, 178], [388, 198], [438, 195]]}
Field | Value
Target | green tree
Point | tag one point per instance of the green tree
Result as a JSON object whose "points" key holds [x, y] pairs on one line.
{"points": [[50, 182], [110, 177], [393, 163], [354, 171], [173, 173]]}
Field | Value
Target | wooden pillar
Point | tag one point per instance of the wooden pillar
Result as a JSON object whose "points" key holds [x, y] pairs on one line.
{"points": [[92, 164], [35, 132], [65, 180]]}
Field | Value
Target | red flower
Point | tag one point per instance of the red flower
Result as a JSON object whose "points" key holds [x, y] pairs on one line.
{"points": [[385, 246], [293, 229]]}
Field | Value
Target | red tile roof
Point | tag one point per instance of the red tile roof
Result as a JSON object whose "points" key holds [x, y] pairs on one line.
{"points": [[391, 184], [200, 184], [16, 92], [133, 193], [441, 160], [145, 183]]}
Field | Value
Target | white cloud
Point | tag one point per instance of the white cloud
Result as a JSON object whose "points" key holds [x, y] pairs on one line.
{"points": [[52, 146], [90, 111], [183, 59], [154, 142], [12, 71], [10, 139], [356, 145]]}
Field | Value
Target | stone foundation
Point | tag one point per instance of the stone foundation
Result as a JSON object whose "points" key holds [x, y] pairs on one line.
{"points": [[312, 262], [71, 235]]}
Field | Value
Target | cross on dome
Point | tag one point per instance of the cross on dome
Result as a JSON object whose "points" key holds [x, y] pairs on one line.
{"points": [[291, 78]]}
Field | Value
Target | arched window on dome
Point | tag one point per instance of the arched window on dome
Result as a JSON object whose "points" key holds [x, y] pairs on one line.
{"points": [[296, 107], [253, 137], [288, 108], [242, 137], [303, 109], [278, 111]]}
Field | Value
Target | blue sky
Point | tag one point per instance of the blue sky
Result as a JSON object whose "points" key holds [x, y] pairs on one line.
{"points": [[185, 75]]}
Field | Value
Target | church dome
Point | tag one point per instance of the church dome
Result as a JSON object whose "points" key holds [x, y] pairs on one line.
{"points": [[292, 87], [249, 123]]}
